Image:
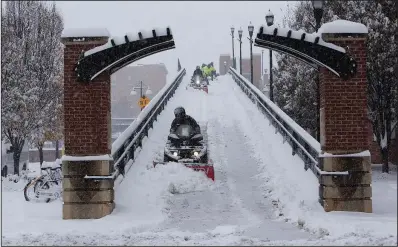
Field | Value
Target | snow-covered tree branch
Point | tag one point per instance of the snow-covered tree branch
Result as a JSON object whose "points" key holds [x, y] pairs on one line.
{"points": [[294, 81], [31, 71]]}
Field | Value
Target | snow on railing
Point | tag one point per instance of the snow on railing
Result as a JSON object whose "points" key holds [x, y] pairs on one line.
{"points": [[143, 114], [308, 148], [131, 36], [124, 147], [309, 37]]}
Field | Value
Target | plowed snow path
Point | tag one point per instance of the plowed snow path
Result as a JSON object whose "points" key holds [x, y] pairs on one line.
{"points": [[231, 212], [237, 201], [252, 165]]}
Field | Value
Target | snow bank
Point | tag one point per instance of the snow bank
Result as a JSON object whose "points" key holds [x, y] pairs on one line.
{"points": [[140, 204], [176, 178], [54, 164], [343, 26], [309, 37], [181, 179], [295, 191], [13, 183], [85, 32], [174, 237], [292, 124], [86, 158], [360, 154]]}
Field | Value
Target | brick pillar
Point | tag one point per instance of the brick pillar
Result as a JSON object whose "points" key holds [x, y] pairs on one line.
{"points": [[87, 132], [345, 130]]}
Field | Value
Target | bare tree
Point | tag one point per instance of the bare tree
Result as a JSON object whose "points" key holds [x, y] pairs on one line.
{"points": [[27, 84], [48, 75]]}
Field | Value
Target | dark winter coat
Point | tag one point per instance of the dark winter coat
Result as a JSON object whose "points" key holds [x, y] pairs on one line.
{"points": [[186, 120], [198, 72]]}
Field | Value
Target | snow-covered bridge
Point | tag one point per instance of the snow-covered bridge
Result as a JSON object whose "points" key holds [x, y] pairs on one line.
{"points": [[262, 194]]}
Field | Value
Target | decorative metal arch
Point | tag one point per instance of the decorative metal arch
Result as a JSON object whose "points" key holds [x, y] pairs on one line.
{"points": [[117, 56], [312, 53]]}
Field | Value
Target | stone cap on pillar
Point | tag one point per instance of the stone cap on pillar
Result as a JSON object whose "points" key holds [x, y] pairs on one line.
{"points": [[343, 28], [92, 35]]}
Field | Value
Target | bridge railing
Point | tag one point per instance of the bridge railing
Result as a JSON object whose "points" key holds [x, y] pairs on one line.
{"points": [[302, 143], [125, 146], [122, 121]]}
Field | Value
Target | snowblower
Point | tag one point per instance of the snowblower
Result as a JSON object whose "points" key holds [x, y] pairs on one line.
{"points": [[189, 149], [199, 83]]}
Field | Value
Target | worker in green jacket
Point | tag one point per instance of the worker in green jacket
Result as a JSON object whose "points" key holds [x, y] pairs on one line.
{"points": [[212, 71], [205, 70]]}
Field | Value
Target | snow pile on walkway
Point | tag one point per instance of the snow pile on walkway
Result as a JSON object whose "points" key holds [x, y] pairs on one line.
{"points": [[182, 180], [295, 191], [141, 199], [13, 183]]}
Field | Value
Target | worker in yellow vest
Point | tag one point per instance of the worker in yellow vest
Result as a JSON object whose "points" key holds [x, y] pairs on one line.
{"points": [[212, 71], [205, 72]]}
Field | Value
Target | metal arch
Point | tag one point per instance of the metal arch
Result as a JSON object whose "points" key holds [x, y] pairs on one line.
{"points": [[339, 63], [116, 57]]}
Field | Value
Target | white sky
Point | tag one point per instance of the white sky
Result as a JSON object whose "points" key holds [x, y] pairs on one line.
{"points": [[201, 29]]}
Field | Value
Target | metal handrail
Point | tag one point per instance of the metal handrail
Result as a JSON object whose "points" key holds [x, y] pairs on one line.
{"points": [[304, 145], [124, 147]]}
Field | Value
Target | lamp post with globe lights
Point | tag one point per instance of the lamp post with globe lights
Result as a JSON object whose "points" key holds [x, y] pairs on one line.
{"points": [[240, 32], [233, 48], [141, 87], [318, 12], [269, 18], [251, 29]]}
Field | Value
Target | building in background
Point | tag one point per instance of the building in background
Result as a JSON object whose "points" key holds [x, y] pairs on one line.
{"points": [[246, 69], [125, 105], [49, 153], [224, 67]]}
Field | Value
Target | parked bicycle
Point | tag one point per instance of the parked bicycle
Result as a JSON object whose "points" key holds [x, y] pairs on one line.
{"points": [[46, 187]]}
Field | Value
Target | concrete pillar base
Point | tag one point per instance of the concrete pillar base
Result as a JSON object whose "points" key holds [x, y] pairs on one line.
{"points": [[346, 193], [84, 198]]}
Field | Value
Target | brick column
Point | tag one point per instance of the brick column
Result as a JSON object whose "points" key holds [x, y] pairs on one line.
{"points": [[345, 131], [87, 132]]}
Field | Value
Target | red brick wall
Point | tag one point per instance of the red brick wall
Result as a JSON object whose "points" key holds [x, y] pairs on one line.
{"points": [[86, 106], [344, 124]]}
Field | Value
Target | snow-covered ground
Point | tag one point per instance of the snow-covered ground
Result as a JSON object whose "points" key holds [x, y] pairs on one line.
{"points": [[262, 195]]}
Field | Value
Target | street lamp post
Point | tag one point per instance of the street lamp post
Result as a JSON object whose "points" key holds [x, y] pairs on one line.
{"points": [[141, 87], [269, 18], [318, 12], [240, 32], [233, 48], [262, 63], [251, 29]]}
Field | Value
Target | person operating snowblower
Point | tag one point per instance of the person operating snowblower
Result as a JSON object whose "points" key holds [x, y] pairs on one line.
{"points": [[182, 118], [197, 72], [186, 145]]}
